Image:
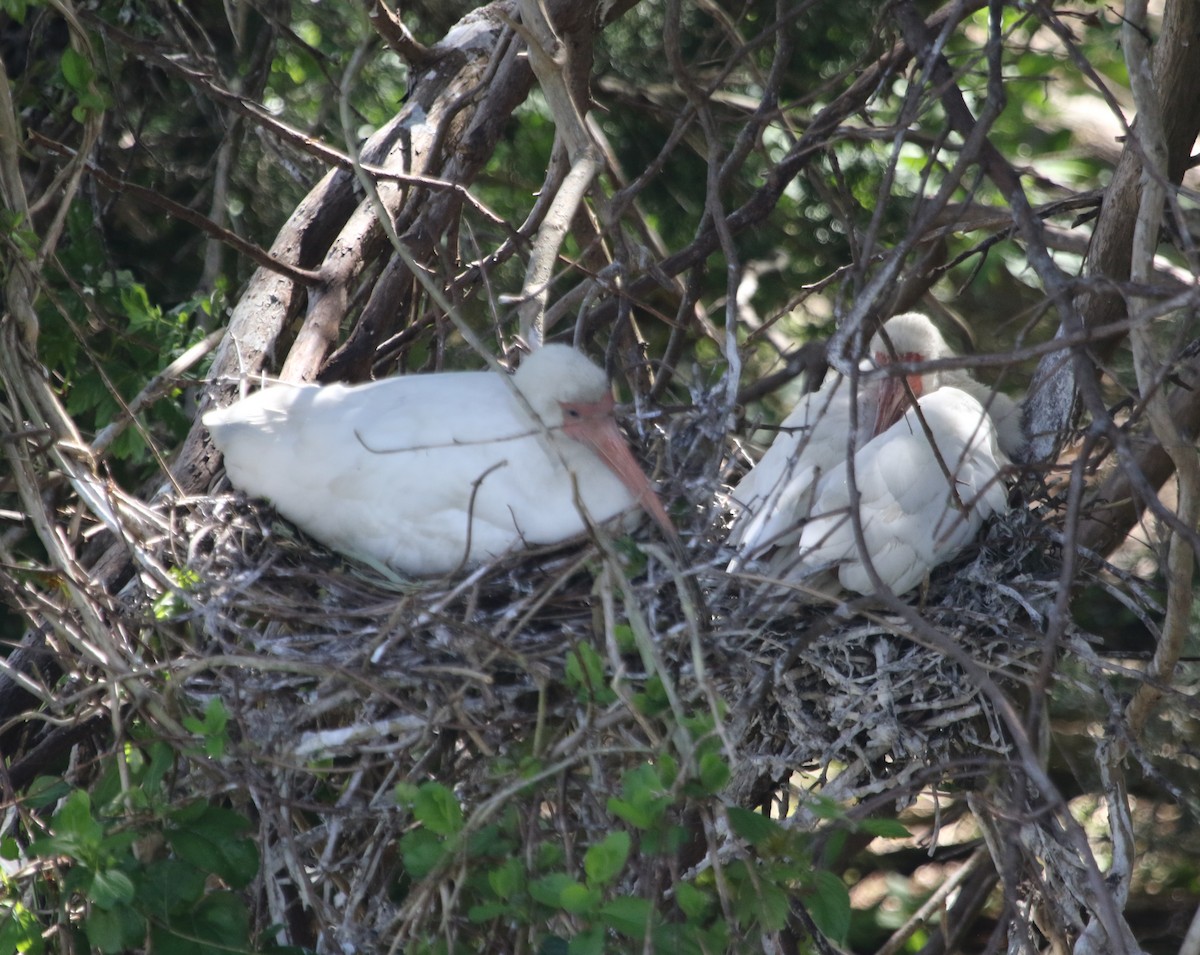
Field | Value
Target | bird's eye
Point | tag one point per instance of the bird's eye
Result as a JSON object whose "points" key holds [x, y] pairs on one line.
{"points": [[572, 412]]}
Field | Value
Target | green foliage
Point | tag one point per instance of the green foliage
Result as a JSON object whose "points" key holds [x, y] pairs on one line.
{"points": [[308, 65], [172, 603], [17, 9], [81, 78], [106, 338], [213, 728], [585, 676], [512, 871], [136, 866], [20, 931]]}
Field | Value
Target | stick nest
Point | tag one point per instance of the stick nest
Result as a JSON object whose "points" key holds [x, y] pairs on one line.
{"points": [[341, 684]]}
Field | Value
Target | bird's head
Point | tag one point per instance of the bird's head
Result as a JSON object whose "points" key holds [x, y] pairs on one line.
{"points": [[907, 338], [555, 376], [568, 392]]}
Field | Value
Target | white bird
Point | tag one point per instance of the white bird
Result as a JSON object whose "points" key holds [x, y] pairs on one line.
{"points": [[921, 502], [775, 496], [424, 474]]}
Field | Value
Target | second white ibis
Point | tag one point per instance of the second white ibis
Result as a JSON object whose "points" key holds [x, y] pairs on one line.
{"points": [[424, 474], [927, 474]]}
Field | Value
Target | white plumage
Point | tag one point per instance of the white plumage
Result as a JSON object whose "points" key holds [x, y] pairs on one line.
{"points": [[775, 496], [919, 507], [427, 473], [915, 513]]}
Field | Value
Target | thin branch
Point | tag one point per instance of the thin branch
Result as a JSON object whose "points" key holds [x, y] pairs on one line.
{"points": [[185, 214], [396, 35]]}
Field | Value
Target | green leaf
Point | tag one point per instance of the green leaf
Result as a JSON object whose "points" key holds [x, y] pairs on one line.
{"points": [[168, 887], [75, 832], [487, 912], [549, 888], [714, 772], [604, 861], [141, 312], [553, 945], [213, 727], [634, 557], [638, 816], [406, 794], [492, 840], [437, 808], [885, 828], [44, 791], [218, 923], [627, 915], [162, 761], [421, 851], [835, 844], [687, 939], [549, 855], [103, 929], [507, 879], [829, 905], [693, 902], [773, 906], [76, 70], [115, 930], [110, 887], [234, 861], [642, 803], [172, 603], [754, 827], [664, 840], [590, 942], [20, 930], [75, 817], [215, 819], [188, 813], [653, 699], [16, 8], [758, 899], [221, 918], [825, 808], [578, 898], [211, 839], [585, 675]]}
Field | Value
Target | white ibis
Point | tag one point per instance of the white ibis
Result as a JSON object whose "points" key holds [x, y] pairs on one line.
{"points": [[775, 496], [921, 501], [423, 474]]}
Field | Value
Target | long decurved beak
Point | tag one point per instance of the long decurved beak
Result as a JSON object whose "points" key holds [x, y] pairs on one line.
{"points": [[894, 400], [592, 424]]}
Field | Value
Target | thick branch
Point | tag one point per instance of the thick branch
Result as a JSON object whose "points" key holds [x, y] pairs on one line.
{"points": [[1176, 69], [1117, 503], [559, 72], [1149, 368]]}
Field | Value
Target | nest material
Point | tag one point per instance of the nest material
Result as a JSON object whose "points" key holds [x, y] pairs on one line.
{"points": [[342, 684]]}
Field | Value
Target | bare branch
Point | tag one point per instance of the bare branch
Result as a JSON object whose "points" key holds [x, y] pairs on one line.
{"points": [[389, 26]]}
